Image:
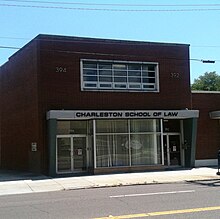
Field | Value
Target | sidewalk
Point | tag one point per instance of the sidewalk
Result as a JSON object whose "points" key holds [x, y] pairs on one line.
{"points": [[20, 183]]}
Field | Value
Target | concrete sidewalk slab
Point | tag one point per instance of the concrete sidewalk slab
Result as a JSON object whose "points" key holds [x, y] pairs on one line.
{"points": [[47, 185], [14, 187], [16, 183], [74, 183]]}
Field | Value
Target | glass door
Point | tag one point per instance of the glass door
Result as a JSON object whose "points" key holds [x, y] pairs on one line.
{"points": [[64, 154], [71, 154], [174, 146], [172, 156], [79, 154]]}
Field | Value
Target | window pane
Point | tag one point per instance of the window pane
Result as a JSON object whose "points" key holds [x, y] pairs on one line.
{"points": [[144, 68], [120, 66], [90, 78], [120, 73], [103, 151], [151, 67], [144, 74], [134, 86], [120, 151], [104, 126], [63, 154], [105, 85], [120, 79], [71, 127], [90, 85], [111, 150], [147, 86], [134, 66], [134, 73], [148, 67], [111, 126], [63, 127], [148, 74], [120, 86], [105, 79], [144, 149], [104, 65], [78, 127], [134, 80], [88, 64], [151, 74], [171, 125], [89, 72], [148, 80], [121, 126], [145, 125], [105, 72]]}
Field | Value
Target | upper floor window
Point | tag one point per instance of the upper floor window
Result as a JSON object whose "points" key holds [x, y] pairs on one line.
{"points": [[119, 75]]}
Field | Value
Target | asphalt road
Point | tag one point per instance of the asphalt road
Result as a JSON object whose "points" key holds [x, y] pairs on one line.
{"points": [[180, 200]]}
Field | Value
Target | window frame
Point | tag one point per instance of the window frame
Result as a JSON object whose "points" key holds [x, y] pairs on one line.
{"points": [[113, 88]]}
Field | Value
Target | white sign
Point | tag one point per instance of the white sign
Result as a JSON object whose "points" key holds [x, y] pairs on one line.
{"points": [[126, 114]]}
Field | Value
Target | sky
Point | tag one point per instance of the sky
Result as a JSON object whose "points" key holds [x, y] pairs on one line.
{"points": [[171, 21]]}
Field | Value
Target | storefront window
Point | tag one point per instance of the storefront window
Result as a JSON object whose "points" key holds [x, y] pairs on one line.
{"points": [[128, 142], [119, 142]]}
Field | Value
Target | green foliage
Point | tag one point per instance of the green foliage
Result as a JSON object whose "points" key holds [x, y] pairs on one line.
{"points": [[210, 81]]}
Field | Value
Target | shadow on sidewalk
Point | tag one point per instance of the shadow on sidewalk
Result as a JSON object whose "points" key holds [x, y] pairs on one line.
{"points": [[11, 175]]}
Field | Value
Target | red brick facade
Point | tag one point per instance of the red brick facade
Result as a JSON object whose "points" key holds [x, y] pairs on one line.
{"points": [[208, 132], [19, 108]]}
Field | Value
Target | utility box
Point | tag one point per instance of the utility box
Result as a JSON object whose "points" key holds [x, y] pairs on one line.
{"points": [[34, 146]]}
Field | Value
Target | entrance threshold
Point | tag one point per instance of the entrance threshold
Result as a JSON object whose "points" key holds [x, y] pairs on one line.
{"points": [[113, 170], [73, 174]]}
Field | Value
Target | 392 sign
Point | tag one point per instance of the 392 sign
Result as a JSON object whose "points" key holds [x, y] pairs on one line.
{"points": [[60, 69], [175, 75]]}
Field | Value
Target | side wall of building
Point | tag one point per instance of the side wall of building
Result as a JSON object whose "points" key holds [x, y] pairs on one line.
{"points": [[19, 110], [208, 134]]}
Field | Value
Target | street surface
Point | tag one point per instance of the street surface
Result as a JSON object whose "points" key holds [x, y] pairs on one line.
{"points": [[178, 200]]}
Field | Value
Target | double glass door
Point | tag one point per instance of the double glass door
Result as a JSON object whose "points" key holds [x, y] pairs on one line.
{"points": [[172, 150], [71, 154]]}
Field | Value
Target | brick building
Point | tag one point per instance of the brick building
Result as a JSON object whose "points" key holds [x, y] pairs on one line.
{"points": [[72, 105], [208, 133]]}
